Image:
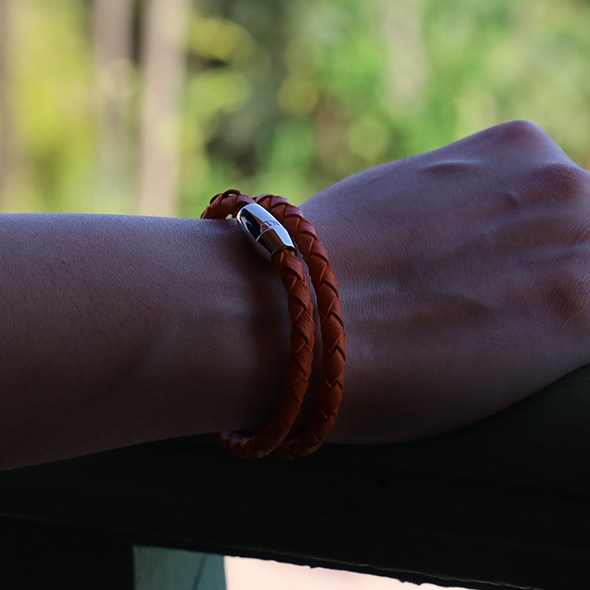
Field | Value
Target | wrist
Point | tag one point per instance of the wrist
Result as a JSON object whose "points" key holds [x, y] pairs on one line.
{"points": [[224, 347]]}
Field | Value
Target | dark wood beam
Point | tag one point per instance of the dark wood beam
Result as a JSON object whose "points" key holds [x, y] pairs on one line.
{"points": [[55, 557], [500, 504]]}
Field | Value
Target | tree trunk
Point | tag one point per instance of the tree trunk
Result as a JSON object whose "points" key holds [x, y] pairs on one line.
{"points": [[163, 59], [408, 63], [112, 38], [7, 148]]}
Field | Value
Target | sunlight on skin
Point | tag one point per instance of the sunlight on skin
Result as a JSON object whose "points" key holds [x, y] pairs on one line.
{"points": [[256, 574]]}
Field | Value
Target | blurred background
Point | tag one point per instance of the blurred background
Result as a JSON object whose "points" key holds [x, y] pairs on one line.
{"points": [[153, 106]]}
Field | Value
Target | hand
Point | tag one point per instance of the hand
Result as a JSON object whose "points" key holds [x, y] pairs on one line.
{"points": [[464, 275]]}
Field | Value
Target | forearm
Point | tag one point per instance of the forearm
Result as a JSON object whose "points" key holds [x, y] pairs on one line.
{"points": [[119, 330]]}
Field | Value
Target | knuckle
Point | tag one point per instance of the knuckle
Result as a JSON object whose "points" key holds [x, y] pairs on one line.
{"points": [[559, 181], [518, 131], [515, 139]]}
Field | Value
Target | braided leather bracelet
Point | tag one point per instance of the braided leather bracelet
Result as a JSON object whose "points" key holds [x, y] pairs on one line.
{"points": [[329, 308], [267, 230]]}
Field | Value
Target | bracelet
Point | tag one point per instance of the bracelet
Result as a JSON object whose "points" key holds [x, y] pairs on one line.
{"points": [[275, 241], [329, 307], [302, 340]]}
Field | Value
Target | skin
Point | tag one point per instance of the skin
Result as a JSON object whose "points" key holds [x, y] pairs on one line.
{"points": [[465, 278], [463, 273]]}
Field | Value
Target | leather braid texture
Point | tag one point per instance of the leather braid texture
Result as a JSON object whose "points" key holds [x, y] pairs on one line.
{"points": [[329, 307], [269, 437]]}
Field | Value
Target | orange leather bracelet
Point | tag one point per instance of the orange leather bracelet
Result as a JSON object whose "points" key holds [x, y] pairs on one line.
{"points": [[266, 230], [329, 309]]}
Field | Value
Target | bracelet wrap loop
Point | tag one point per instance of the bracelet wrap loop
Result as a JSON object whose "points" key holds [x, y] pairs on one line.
{"points": [[261, 220], [329, 310]]}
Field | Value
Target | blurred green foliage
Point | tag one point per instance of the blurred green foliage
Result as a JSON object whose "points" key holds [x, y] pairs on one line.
{"points": [[52, 92], [289, 96]]}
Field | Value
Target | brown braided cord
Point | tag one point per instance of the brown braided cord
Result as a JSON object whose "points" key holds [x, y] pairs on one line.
{"points": [[225, 204], [332, 326], [300, 306]]}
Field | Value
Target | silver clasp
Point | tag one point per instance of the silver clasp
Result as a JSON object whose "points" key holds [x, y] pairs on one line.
{"points": [[264, 229]]}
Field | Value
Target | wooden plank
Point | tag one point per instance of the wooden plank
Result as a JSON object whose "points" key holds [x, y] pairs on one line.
{"points": [[500, 504], [54, 557]]}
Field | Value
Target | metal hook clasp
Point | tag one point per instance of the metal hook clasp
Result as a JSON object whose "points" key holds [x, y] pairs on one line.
{"points": [[264, 229]]}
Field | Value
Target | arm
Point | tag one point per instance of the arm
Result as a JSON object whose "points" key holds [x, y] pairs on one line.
{"points": [[464, 275], [118, 330]]}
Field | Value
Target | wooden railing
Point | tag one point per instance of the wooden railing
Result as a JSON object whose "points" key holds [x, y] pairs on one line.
{"points": [[501, 504]]}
